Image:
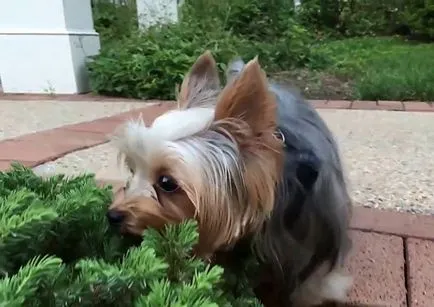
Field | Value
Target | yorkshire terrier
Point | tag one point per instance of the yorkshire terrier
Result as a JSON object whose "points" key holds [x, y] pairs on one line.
{"points": [[251, 162]]}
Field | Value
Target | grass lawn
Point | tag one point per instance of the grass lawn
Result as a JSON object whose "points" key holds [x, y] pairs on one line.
{"points": [[369, 69]]}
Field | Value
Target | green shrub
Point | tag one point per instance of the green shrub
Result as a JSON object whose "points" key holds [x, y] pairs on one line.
{"points": [[114, 21], [260, 20], [419, 16], [319, 14], [369, 17], [56, 249], [150, 64], [350, 18]]}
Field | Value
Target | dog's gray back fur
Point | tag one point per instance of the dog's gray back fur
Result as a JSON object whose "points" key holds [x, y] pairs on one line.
{"points": [[308, 226]]}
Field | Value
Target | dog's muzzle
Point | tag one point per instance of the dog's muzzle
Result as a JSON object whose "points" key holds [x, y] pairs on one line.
{"points": [[115, 216]]}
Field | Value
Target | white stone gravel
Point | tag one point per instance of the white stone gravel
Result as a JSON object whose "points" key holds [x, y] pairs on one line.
{"points": [[100, 160], [22, 117], [389, 158]]}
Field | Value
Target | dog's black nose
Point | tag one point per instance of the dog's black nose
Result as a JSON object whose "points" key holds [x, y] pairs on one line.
{"points": [[115, 216]]}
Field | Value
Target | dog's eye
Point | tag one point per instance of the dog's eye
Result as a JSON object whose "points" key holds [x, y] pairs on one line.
{"points": [[167, 184]]}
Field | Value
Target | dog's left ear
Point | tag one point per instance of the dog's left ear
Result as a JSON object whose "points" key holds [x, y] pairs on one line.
{"points": [[249, 99], [202, 76]]}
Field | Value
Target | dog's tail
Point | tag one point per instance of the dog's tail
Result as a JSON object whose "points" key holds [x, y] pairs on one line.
{"points": [[234, 69]]}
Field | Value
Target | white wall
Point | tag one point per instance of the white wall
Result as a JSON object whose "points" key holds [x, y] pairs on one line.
{"points": [[43, 47], [152, 12]]}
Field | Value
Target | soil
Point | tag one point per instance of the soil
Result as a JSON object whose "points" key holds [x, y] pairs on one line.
{"points": [[317, 85]]}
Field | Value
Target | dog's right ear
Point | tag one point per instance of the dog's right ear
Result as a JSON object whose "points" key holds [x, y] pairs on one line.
{"points": [[203, 76], [246, 109]]}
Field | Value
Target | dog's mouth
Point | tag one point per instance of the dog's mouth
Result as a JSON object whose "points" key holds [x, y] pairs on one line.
{"points": [[132, 239], [129, 229]]}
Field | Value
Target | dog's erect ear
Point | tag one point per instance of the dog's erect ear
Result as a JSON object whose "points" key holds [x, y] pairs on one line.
{"points": [[249, 99], [203, 76]]}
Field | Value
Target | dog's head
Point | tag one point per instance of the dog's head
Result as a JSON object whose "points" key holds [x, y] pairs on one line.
{"points": [[215, 159]]}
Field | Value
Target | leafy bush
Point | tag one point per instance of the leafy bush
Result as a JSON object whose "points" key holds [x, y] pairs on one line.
{"points": [[369, 17], [149, 65], [260, 20], [56, 249], [114, 21], [350, 18], [419, 17]]}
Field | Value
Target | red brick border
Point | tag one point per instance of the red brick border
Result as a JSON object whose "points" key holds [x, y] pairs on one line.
{"points": [[409, 106], [335, 104], [420, 272], [402, 224], [418, 107]]}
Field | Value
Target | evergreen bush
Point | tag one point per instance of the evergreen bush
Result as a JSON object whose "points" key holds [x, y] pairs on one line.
{"points": [[56, 249]]}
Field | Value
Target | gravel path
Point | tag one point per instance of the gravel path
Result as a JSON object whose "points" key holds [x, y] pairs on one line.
{"points": [[388, 158], [22, 117]]}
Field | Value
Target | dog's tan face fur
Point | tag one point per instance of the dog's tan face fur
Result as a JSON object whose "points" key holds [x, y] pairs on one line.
{"points": [[215, 159]]}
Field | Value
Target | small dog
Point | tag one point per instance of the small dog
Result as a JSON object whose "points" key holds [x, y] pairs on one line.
{"points": [[252, 162]]}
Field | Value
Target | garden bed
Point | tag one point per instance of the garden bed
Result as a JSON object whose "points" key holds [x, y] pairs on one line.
{"points": [[345, 50], [369, 69]]}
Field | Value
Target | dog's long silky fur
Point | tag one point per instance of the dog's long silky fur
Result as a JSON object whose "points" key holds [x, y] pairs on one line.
{"points": [[285, 196], [312, 207]]}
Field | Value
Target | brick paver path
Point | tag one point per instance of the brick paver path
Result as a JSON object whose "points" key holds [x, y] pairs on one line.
{"points": [[393, 254]]}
